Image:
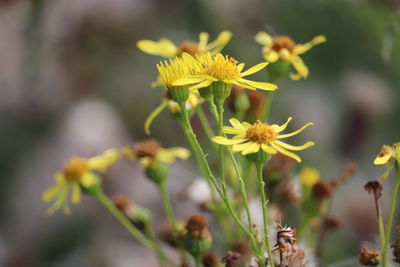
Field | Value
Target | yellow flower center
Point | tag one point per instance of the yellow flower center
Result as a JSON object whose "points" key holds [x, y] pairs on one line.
{"points": [[147, 148], [221, 68], [75, 168], [190, 47], [280, 42], [261, 133]]}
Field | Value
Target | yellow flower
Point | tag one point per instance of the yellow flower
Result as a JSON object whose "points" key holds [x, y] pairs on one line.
{"points": [[250, 139], [208, 69], [149, 152], [174, 69], [165, 48], [282, 47], [77, 172], [385, 155], [309, 176]]}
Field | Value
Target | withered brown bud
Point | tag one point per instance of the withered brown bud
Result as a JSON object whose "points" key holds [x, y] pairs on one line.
{"points": [[197, 226], [369, 257], [190, 47], [210, 260], [242, 247], [374, 187], [147, 148], [230, 259], [123, 203], [332, 223], [165, 233], [396, 251], [322, 190]]}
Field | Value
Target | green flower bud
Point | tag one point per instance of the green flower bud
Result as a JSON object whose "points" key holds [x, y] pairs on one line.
{"points": [[179, 94], [158, 173], [221, 91], [259, 157]]}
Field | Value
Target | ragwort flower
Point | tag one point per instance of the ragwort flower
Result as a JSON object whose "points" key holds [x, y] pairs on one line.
{"points": [[282, 47], [165, 48], [250, 139], [208, 69], [149, 152], [77, 173], [388, 156]]}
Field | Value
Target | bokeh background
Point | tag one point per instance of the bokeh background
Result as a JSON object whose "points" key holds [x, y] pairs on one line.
{"points": [[72, 82]]}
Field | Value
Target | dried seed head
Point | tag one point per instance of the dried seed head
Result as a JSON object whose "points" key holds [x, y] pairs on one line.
{"points": [[346, 174], [332, 223], [147, 148], [322, 190], [284, 238], [165, 233], [369, 257], [242, 247], [374, 187], [294, 256], [210, 260], [197, 226], [230, 259]]}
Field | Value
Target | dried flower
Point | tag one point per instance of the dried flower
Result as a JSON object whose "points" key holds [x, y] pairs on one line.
{"points": [[230, 259], [284, 238], [322, 190], [374, 187], [369, 257], [197, 239], [242, 247], [211, 260]]}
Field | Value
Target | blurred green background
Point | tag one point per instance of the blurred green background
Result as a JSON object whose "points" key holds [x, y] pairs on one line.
{"points": [[73, 83]]}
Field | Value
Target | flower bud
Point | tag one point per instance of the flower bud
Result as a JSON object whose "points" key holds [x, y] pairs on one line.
{"points": [[158, 173], [198, 239], [259, 157], [179, 94], [221, 91]]}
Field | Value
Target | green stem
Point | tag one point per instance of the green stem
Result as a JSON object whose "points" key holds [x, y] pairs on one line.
{"points": [[197, 260], [103, 199], [166, 200], [205, 166], [267, 105], [259, 167], [390, 220]]}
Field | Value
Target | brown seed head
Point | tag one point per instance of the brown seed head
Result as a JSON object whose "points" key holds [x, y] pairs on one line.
{"points": [[332, 223], [322, 190], [123, 203], [283, 41], [210, 260], [261, 133], [147, 148], [396, 251], [242, 247], [369, 257], [197, 226], [230, 259], [374, 187], [75, 168], [346, 174], [190, 47]]}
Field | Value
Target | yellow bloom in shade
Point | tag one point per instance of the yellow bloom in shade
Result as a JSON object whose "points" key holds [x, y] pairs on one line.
{"points": [[149, 152], [385, 156], [309, 176], [282, 47], [165, 48], [250, 139], [208, 69], [77, 172]]}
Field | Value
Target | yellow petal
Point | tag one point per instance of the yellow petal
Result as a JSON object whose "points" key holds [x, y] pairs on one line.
{"points": [[203, 84], [231, 130], [299, 65], [239, 136], [154, 115], [61, 199], [268, 149], [101, 162], [302, 48], [76, 193], [259, 85], [89, 179], [285, 152], [295, 132], [295, 148], [281, 128], [385, 175], [295, 76], [251, 148], [263, 38], [236, 124], [382, 160], [254, 69], [219, 43], [163, 47], [244, 85], [225, 141], [169, 155], [186, 81], [240, 67], [240, 147], [203, 40], [271, 55], [246, 125], [51, 193]]}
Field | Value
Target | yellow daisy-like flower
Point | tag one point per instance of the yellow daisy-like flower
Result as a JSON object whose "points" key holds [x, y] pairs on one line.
{"points": [[77, 172], [309, 176], [149, 152], [250, 139], [165, 48], [282, 47], [175, 69], [208, 69]]}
